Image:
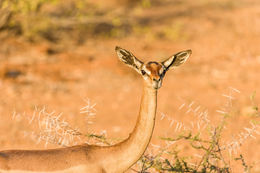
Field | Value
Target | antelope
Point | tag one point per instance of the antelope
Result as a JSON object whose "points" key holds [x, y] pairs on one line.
{"points": [[102, 159]]}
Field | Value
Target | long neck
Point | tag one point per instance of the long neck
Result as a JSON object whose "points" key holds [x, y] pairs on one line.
{"points": [[126, 153]]}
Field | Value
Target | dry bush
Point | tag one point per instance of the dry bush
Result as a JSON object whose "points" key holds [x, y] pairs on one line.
{"points": [[210, 152], [51, 128]]}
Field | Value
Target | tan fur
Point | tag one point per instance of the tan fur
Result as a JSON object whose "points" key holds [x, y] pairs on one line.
{"points": [[80, 168], [97, 159]]}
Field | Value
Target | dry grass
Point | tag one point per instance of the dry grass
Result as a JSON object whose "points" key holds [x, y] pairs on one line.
{"points": [[210, 151]]}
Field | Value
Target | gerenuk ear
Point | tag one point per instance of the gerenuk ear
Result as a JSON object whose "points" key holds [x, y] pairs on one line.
{"points": [[129, 59], [177, 59]]}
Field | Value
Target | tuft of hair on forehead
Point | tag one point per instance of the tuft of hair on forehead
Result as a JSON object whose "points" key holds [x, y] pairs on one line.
{"points": [[153, 66], [152, 62]]}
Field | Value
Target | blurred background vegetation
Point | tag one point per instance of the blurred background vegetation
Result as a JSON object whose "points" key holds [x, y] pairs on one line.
{"points": [[57, 20]]}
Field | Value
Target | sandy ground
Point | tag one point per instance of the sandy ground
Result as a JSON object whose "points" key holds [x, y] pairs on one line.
{"points": [[226, 53]]}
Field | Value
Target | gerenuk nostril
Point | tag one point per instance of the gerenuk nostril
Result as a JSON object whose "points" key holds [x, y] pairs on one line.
{"points": [[156, 80]]}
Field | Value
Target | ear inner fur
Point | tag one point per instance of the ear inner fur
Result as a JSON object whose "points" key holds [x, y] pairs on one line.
{"points": [[176, 59], [128, 58]]}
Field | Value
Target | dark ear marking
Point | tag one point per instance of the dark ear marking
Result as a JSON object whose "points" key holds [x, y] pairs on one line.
{"points": [[167, 66], [129, 59], [163, 73], [177, 59]]}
